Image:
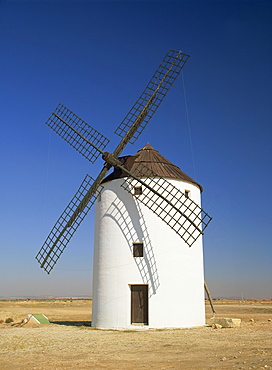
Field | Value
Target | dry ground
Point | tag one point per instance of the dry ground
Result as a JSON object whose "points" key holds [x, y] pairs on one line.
{"points": [[70, 342]]}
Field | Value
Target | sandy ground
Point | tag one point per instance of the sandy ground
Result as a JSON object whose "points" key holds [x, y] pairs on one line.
{"points": [[70, 342]]}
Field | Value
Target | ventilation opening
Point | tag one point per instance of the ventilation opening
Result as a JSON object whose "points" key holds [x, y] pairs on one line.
{"points": [[138, 190], [138, 249]]}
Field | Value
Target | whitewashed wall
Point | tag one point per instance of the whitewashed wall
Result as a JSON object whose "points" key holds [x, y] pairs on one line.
{"points": [[172, 270]]}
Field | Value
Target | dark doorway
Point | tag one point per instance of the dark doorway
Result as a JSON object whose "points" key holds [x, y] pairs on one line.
{"points": [[139, 304]]}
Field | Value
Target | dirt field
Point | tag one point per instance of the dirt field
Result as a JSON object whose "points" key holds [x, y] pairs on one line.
{"points": [[70, 342]]}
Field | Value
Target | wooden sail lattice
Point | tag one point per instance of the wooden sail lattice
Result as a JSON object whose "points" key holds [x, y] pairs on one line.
{"points": [[90, 143], [154, 93], [66, 226], [78, 133], [169, 203]]}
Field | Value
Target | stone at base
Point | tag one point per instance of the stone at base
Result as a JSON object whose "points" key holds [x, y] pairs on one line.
{"points": [[226, 322]]}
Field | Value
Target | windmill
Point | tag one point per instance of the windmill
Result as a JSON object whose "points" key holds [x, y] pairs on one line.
{"points": [[162, 198]]}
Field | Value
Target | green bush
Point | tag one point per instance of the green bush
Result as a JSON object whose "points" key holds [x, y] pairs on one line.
{"points": [[8, 320]]}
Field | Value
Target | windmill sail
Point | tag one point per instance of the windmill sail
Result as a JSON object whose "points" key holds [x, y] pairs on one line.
{"points": [[79, 134], [179, 212], [66, 226], [90, 143], [154, 93]]}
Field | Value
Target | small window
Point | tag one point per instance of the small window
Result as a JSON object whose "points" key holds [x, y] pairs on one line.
{"points": [[138, 190], [187, 193], [138, 249]]}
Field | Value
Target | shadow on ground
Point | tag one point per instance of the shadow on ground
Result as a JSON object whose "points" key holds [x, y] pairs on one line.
{"points": [[72, 323]]}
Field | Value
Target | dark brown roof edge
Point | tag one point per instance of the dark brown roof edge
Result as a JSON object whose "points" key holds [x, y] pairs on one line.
{"points": [[151, 158]]}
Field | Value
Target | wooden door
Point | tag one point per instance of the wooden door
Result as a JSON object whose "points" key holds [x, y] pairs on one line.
{"points": [[139, 304]]}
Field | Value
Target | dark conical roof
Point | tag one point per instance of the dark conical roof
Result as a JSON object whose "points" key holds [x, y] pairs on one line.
{"points": [[152, 159]]}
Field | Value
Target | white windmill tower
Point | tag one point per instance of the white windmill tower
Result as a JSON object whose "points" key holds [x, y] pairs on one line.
{"points": [[144, 271]]}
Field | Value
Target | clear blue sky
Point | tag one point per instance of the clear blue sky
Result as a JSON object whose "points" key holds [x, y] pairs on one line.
{"points": [[96, 57]]}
